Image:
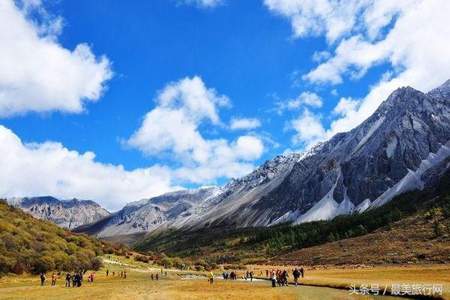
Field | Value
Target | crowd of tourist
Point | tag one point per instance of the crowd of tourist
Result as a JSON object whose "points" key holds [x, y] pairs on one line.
{"points": [[280, 277], [75, 279]]}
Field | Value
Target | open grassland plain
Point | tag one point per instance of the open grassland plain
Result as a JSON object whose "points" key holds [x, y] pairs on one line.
{"points": [[178, 285], [384, 276], [139, 286]]}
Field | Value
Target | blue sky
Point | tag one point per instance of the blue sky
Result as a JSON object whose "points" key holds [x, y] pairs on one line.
{"points": [[250, 57], [292, 71]]}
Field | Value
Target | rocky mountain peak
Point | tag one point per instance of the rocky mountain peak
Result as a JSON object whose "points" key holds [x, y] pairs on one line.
{"points": [[65, 213], [443, 91]]}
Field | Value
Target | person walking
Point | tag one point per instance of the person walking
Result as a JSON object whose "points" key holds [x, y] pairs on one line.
{"points": [[251, 276], [78, 279], [157, 276], [53, 279], [278, 276], [68, 278], [42, 276], [211, 277], [296, 275], [274, 279], [302, 272], [107, 272], [284, 277]]}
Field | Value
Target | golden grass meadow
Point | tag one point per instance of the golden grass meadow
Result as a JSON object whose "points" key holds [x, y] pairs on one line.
{"points": [[317, 284]]}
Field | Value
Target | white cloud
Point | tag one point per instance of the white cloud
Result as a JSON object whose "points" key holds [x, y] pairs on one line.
{"points": [[311, 99], [309, 129], [51, 169], [36, 72], [203, 3], [345, 106], [409, 36], [304, 99], [353, 55], [225, 159], [244, 123], [173, 128], [320, 56], [333, 18]]}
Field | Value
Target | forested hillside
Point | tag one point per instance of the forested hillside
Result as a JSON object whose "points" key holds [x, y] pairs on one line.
{"points": [[31, 245]]}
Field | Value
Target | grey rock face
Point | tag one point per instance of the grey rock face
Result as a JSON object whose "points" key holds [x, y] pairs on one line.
{"points": [[150, 214], [365, 162], [65, 213]]}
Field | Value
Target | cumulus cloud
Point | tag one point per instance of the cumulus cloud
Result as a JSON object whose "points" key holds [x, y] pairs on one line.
{"points": [[333, 18], [410, 37], [320, 56], [51, 169], [244, 123], [308, 128], [36, 72], [345, 106], [203, 3], [225, 159], [173, 128], [304, 99]]}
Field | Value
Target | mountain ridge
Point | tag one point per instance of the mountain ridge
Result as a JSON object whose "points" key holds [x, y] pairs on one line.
{"points": [[408, 132], [65, 213]]}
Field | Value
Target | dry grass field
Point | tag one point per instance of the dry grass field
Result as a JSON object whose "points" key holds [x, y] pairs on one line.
{"points": [[138, 284], [342, 277]]}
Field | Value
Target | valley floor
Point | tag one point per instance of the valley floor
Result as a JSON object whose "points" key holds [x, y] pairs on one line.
{"points": [[138, 284]]}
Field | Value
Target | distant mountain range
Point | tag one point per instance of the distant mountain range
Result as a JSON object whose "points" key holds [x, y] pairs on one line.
{"points": [[65, 213], [404, 145]]}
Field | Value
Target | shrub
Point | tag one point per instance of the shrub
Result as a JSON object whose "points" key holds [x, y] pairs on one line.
{"points": [[142, 258], [6, 264], [96, 264], [43, 264], [18, 268]]}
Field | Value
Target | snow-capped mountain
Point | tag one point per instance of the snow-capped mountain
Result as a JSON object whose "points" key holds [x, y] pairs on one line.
{"points": [[404, 145], [149, 214], [65, 213]]}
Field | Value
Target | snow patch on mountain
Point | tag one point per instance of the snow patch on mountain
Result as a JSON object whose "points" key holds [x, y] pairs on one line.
{"points": [[413, 179], [363, 206], [369, 133], [346, 206], [325, 209], [392, 145]]}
